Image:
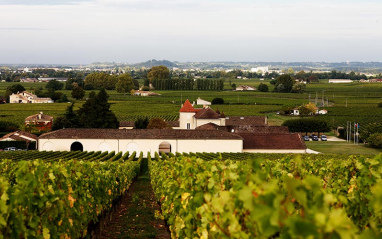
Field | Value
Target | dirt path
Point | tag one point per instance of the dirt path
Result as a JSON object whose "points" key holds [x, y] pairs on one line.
{"points": [[135, 215]]}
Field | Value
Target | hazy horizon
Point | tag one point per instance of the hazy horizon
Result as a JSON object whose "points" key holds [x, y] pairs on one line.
{"points": [[132, 31]]}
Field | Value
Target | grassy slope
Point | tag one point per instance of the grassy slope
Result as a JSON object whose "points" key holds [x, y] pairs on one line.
{"points": [[335, 147]]}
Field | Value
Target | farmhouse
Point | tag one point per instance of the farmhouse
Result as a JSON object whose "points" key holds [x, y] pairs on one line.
{"points": [[200, 101], [245, 87], [144, 93], [191, 118], [19, 136], [27, 97], [39, 122], [340, 81], [167, 140]]}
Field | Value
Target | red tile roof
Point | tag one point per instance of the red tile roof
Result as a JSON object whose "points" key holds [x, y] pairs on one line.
{"points": [[38, 118], [137, 134], [187, 107], [206, 113], [257, 129], [208, 126], [272, 141], [246, 120], [20, 136]]}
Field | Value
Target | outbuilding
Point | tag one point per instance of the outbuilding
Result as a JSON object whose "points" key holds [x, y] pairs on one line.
{"points": [[145, 140]]}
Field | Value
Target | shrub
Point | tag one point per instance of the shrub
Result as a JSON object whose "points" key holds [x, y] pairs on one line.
{"points": [[263, 87], [380, 105], [375, 140], [145, 88], [217, 101]]}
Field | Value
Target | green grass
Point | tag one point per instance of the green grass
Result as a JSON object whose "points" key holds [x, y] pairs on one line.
{"points": [[340, 147], [361, 98]]}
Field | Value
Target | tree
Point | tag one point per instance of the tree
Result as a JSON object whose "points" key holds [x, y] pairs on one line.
{"points": [[157, 123], [63, 99], [78, 92], [298, 87], [301, 75], [217, 101], [287, 83], [263, 87], [141, 123], [312, 78], [375, 140], [98, 80], [6, 126], [125, 83], [54, 85], [96, 113], [307, 109], [370, 129], [307, 125], [13, 89], [68, 120], [158, 73]]}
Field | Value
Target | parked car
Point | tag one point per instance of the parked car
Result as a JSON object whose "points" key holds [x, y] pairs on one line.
{"points": [[315, 138], [10, 149], [324, 138], [306, 138]]}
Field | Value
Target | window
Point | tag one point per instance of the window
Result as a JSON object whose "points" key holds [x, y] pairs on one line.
{"points": [[188, 126], [165, 147]]}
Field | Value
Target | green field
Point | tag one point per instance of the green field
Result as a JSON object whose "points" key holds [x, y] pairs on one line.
{"points": [[340, 147], [356, 102]]}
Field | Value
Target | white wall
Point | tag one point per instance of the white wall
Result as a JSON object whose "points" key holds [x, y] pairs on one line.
{"points": [[200, 122], [184, 118], [144, 145]]}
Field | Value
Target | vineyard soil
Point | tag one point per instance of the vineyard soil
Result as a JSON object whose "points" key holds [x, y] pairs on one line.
{"points": [[138, 215]]}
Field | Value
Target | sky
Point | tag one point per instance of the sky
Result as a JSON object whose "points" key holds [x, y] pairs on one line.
{"points": [[131, 31]]}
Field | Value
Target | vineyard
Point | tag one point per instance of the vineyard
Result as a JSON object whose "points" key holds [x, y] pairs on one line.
{"points": [[202, 195], [338, 116], [57, 194], [136, 117], [265, 196]]}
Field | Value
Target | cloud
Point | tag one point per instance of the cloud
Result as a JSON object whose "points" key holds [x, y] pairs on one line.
{"points": [[42, 2]]}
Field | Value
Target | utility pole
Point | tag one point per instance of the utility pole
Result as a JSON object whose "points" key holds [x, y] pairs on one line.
{"points": [[347, 131], [316, 98]]}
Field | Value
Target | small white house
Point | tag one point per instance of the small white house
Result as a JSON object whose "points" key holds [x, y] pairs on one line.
{"points": [[200, 101], [322, 112], [296, 111], [245, 88], [340, 81], [27, 97]]}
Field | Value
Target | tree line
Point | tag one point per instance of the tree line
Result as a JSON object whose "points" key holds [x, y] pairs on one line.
{"points": [[188, 84]]}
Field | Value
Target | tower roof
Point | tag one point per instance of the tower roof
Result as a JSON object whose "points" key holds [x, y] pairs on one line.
{"points": [[187, 107]]}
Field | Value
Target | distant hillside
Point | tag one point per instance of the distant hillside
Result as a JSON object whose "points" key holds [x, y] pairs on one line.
{"points": [[151, 63]]}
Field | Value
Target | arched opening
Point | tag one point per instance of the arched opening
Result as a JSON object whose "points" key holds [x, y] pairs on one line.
{"points": [[76, 146], [165, 147], [48, 146], [131, 147], [103, 147]]}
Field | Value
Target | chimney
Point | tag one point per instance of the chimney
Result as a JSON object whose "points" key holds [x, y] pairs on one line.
{"points": [[40, 115]]}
